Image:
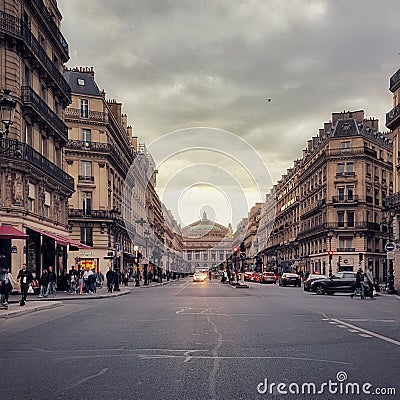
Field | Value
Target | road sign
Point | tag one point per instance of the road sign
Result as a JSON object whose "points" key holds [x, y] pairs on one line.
{"points": [[389, 246], [117, 247], [242, 255]]}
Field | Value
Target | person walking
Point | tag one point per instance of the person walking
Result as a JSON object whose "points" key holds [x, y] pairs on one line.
{"points": [[25, 278], [51, 286], [369, 280], [110, 276], [92, 281], [8, 287], [80, 282], [44, 281], [209, 275], [359, 286]]}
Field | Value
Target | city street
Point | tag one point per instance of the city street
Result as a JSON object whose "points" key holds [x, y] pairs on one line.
{"points": [[193, 341]]}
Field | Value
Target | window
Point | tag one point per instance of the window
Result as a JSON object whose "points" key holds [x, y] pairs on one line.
{"points": [[340, 169], [221, 256], [197, 256], [84, 108], [350, 193], [28, 134], [81, 82], [86, 169], [213, 256], [341, 193], [43, 145], [47, 204], [205, 257], [27, 76], [345, 242], [350, 167], [350, 219], [86, 201], [340, 218], [86, 135], [31, 197], [87, 235], [345, 147], [189, 257]]}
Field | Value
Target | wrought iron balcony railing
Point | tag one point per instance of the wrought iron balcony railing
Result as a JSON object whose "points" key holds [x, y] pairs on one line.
{"points": [[31, 99], [394, 80], [89, 214], [44, 12], [13, 26], [352, 151], [23, 152], [72, 113], [345, 199], [392, 117], [84, 145], [392, 201], [86, 178]]}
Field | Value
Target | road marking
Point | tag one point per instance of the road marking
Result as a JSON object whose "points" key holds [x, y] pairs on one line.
{"points": [[364, 335], [353, 330], [341, 326], [83, 380], [334, 323], [386, 339]]}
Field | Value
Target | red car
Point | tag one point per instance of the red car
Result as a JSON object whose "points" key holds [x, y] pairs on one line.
{"points": [[256, 277], [268, 277]]}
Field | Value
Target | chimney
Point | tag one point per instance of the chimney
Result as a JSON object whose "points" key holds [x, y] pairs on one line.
{"points": [[124, 119], [309, 145], [134, 141], [315, 141], [116, 110]]}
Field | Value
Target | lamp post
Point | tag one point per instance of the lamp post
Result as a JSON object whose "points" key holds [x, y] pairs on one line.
{"points": [[116, 260], [7, 110], [146, 234], [330, 235], [390, 290]]}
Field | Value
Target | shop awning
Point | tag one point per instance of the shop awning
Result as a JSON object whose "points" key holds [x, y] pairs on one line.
{"points": [[78, 245], [9, 232], [62, 241]]}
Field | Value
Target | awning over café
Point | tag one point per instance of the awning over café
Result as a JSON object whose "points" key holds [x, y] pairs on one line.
{"points": [[9, 232]]}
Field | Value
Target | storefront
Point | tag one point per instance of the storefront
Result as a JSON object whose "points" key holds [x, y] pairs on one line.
{"points": [[9, 237]]}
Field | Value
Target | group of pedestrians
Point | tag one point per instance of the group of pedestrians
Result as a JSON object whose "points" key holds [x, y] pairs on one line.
{"points": [[47, 283], [84, 281], [364, 281]]}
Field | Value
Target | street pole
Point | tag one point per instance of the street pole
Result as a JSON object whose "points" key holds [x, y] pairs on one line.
{"points": [[391, 288]]}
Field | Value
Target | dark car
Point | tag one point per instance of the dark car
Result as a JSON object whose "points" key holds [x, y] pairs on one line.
{"points": [[268, 277], [311, 278], [342, 282], [289, 279]]}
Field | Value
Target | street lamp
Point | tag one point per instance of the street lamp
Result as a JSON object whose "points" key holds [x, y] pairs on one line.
{"points": [[330, 235], [7, 110], [390, 217], [145, 266], [114, 216]]}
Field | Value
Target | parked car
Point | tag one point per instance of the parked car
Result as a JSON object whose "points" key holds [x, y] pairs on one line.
{"points": [[342, 282], [312, 278], [268, 277], [256, 277], [288, 279]]}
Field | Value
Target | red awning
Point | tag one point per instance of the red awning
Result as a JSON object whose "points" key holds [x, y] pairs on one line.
{"points": [[9, 232], [62, 240]]}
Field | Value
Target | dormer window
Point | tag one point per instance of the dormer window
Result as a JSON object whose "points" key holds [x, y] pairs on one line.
{"points": [[81, 82]]}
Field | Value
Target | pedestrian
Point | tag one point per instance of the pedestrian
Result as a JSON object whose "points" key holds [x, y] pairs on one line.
{"points": [[100, 280], [125, 279], [8, 287], [359, 285], [44, 281], [25, 278], [80, 282], [110, 276], [92, 281], [209, 275], [51, 286], [86, 275], [369, 280]]}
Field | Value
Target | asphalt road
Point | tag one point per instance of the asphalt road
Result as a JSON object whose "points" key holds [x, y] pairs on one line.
{"points": [[192, 341]]}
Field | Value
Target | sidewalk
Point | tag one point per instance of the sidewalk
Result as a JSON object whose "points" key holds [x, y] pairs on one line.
{"points": [[35, 303]]}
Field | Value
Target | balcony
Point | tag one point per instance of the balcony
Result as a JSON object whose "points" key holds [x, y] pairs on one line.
{"points": [[30, 99], [352, 152], [90, 146], [345, 199], [44, 13], [88, 214], [392, 118], [93, 116], [345, 249], [394, 81], [85, 179], [345, 174], [392, 201], [15, 28], [28, 154]]}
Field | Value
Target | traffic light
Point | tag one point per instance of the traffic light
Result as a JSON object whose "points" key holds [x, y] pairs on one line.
{"points": [[235, 251], [360, 256], [140, 254], [242, 248], [330, 253]]}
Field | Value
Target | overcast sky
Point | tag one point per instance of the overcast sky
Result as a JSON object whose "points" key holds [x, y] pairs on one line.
{"points": [[181, 64]]}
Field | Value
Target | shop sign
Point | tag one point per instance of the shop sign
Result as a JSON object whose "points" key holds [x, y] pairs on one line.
{"points": [[14, 249], [86, 253]]}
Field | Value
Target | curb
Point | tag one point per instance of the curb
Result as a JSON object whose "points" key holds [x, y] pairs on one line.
{"points": [[13, 314]]}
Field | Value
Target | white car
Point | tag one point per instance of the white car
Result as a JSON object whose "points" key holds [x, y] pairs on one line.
{"points": [[199, 277]]}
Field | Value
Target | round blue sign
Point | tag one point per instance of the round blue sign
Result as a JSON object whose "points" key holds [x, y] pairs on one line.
{"points": [[389, 246]]}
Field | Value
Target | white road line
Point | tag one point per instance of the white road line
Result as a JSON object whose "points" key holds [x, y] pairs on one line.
{"points": [[386, 339], [364, 335], [353, 330]]}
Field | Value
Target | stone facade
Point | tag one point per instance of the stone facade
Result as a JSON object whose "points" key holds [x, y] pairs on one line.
{"points": [[34, 184]]}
